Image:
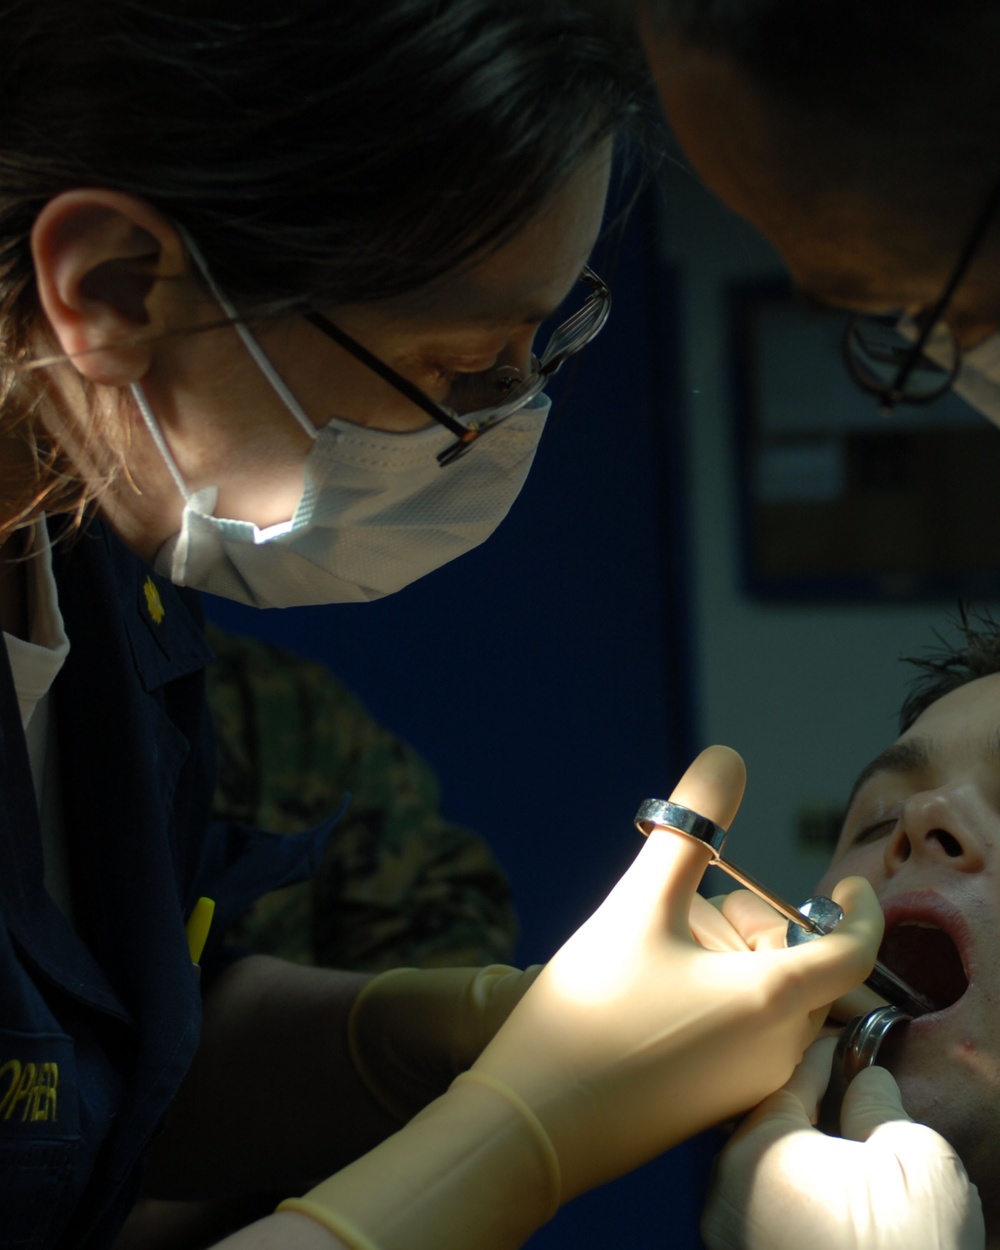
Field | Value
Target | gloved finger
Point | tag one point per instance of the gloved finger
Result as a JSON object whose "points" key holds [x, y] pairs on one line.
{"points": [[760, 926], [872, 1099], [713, 785], [809, 1080], [493, 994], [711, 929], [660, 885], [857, 1002], [936, 1198], [831, 965]]}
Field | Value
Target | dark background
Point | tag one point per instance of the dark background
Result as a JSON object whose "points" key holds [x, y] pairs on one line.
{"points": [[547, 675]]}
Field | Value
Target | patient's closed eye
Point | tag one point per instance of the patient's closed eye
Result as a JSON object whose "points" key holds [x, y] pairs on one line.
{"points": [[871, 832]]}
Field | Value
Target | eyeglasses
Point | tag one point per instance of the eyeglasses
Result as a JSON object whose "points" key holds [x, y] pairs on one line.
{"points": [[897, 371], [474, 391]]}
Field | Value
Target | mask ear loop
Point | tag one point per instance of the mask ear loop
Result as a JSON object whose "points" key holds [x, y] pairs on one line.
{"points": [[153, 426], [260, 357]]}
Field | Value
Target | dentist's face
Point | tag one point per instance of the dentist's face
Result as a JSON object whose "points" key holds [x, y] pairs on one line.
{"points": [[924, 828], [847, 242]]}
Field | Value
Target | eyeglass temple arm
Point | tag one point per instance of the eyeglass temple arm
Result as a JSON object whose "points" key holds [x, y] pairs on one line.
{"points": [[413, 393], [601, 291], [935, 314], [441, 415]]}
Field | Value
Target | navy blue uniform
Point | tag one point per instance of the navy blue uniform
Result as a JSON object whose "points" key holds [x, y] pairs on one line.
{"points": [[98, 1025]]}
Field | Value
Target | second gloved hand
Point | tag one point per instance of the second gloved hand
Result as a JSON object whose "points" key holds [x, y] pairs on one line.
{"points": [[656, 1019], [411, 1031], [887, 1184], [635, 1036]]}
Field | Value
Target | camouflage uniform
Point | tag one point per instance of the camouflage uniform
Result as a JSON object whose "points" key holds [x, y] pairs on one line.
{"points": [[399, 885]]}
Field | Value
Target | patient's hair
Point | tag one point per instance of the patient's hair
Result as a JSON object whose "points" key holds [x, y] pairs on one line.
{"points": [[947, 667]]}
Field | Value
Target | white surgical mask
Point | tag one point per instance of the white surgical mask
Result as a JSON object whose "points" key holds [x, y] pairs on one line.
{"points": [[978, 380], [377, 510]]}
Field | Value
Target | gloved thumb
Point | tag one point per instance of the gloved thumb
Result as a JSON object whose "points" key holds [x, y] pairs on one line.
{"points": [[872, 1099], [492, 994], [412, 1030], [660, 886], [809, 1080]]}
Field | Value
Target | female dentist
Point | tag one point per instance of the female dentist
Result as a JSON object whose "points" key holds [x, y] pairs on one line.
{"points": [[269, 295]]}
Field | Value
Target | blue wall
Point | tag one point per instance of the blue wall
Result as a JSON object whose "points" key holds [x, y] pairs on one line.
{"points": [[547, 674]]}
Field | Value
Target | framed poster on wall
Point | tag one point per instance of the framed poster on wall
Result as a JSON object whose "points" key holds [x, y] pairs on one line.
{"points": [[838, 501]]}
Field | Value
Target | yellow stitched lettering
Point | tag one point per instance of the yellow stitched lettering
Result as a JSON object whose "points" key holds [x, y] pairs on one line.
{"points": [[36, 1086], [13, 1067], [45, 1093], [23, 1092]]}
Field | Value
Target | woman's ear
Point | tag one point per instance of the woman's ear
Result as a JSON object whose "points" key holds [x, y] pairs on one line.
{"points": [[98, 257]]}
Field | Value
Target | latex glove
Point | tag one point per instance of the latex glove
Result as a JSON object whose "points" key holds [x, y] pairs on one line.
{"points": [[632, 1038], [755, 919], [412, 1030], [887, 1184]]}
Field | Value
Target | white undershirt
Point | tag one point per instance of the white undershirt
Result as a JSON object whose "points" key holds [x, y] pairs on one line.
{"points": [[35, 665]]}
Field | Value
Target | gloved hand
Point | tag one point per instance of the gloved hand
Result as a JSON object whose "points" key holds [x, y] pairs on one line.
{"points": [[755, 919], [887, 1184], [412, 1030], [633, 1037]]}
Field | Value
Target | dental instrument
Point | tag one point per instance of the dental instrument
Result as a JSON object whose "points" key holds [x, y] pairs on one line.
{"points": [[816, 917]]}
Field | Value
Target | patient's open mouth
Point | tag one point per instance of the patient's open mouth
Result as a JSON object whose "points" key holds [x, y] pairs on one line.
{"points": [[926, 958]]}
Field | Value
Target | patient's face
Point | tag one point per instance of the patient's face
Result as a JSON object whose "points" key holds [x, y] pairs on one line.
{"points": [[924, 828]]}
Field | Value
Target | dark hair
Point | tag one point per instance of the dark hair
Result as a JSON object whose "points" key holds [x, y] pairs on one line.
{"points": [[948, 667], [899, 98], [317, 150], [863, 59], [348, 150]]}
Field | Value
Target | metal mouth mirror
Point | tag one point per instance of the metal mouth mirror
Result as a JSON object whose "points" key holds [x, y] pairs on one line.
{"points": [[857, 1048], [816, 916]]}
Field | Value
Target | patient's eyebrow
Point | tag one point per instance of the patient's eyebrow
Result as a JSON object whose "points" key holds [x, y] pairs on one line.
{"points": [[902, 757]]}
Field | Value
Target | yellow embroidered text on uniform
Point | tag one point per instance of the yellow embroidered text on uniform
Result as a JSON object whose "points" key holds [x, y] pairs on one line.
{"points": [[153, 601], [31, 1091]]}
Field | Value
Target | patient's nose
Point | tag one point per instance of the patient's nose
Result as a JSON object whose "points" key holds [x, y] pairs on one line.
{"points": [[941, 827]]}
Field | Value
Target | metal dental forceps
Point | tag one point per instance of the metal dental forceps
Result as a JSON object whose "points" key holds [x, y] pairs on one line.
{"points": [[813, 919], [857, 1049]]}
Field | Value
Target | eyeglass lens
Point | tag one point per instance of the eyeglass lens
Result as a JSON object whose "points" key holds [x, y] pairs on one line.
{"points": [[505, 390], [877, 353]]}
